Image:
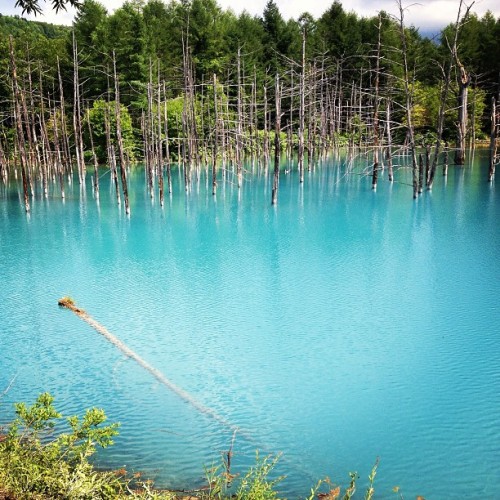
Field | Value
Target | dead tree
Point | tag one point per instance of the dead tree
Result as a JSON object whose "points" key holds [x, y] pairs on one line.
{"points": [[59, 169], [493, 140], [216, 138], [19, 126], [311, 112], [408, 104], [376, 110], [66, 152], [388, 155], [159, 145], [464, 82], [94, 157], [239, 132], [77, 123], [445, 92], [119, 139], [420, 173], [167, 146], [266, 132], [39, 165], [302, 108], [277, 143], [45, 143], [148, 134], [445, 159], [254, 140], [3, 164]]}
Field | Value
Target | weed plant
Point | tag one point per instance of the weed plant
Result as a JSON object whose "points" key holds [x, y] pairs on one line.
{"points": [[44, 456]]}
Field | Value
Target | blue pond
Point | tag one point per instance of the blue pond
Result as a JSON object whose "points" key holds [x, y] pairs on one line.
{"points": [[340, 326]]}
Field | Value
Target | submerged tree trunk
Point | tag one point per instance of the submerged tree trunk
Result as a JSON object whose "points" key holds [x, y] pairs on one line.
{"points": [[389, 142], [408, 107], [167, 146], [421, 173], [266, 132], [216, 138], [3, 164], [493, 140], [277, 145], [444, 96], [159, 145], [239, 131], [77, 124], [59, 170], [464, 82], [375, 112], [302, 108], [66, 156], [445, 159], [19, 126], [119, 139], [94, 157]]}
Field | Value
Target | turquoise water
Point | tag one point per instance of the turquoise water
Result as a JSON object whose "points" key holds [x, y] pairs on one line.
{"points": [[340, 326]]}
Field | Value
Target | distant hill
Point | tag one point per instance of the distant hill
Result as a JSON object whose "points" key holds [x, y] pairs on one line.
{"points": [[15, 26]]}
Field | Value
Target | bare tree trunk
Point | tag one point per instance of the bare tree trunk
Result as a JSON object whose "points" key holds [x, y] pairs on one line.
{"points": [[311, 117], [277, 145], [420, 173], [389, 141], [445, 159], [159, 145], [462, 125], [3, 164], [427, 162], [375, 111], [409, 115], [216, 139], [77, 124], [39, 164], [148, 134], [302, 108], [19, 125], [94, 157], [119, 139], [110, 147], [64, 128], [167, 146], [58, 158], [45, 143], [266, 132], [239, 132], [253, 117], [493, 140], [289, 131], [472, 138], [186, 115]]}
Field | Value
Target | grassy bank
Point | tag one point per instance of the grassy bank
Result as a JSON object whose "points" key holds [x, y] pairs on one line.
{"points": [[44, 455]]}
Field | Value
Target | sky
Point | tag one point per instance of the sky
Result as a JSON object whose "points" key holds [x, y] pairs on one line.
{"points": [[427, 15]]}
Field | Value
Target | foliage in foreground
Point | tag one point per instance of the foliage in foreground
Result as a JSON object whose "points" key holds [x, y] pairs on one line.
{"points": [[39, 459], [35, 465]]}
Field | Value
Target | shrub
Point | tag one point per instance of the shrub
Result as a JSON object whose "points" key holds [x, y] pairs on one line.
{"points": [[34, 463]]}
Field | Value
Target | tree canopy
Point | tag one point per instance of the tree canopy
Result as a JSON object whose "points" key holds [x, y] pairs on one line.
{"points": [[176, 42]]}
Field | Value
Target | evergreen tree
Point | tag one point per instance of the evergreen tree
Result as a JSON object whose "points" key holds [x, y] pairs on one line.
{"points": [[125, 34], [89, 27]]}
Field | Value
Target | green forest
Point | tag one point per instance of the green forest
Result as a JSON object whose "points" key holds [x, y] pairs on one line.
{"points": [[189, 82]]}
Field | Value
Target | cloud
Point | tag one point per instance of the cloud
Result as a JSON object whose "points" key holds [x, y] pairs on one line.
{"points": [[425, 14]]}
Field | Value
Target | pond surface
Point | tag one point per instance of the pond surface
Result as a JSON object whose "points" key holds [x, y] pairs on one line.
{"points": [[340, 326]]}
